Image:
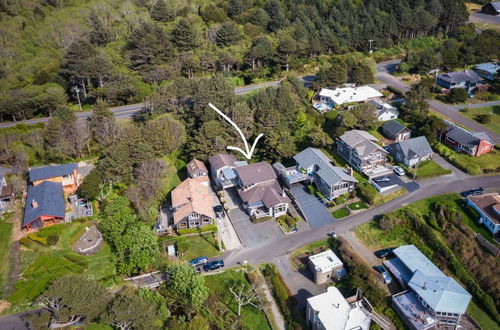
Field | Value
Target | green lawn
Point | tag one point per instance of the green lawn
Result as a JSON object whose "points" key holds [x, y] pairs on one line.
{"points": [[5, 234], [340, 213], [252, 318], [429, 169], [357, 206], [190, 247], [484, 320], [41, 264], [484, 164], [494, 110]]}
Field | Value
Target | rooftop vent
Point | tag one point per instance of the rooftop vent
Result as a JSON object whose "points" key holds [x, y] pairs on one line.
{"points": [[34, 204]]}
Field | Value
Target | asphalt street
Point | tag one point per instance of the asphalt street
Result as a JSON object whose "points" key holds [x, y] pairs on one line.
{"points": [[484, 18]]}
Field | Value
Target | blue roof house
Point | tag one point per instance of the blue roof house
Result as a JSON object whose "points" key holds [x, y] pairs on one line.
{"points": [[45, 205], [487, 70]]}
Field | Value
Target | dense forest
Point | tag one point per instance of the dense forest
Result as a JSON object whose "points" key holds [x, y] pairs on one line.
{"points": [[55, 51]]}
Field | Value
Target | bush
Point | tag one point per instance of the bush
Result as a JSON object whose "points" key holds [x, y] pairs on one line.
{"points": [[367, 192], [204, 229], [394, 90], [52, 239], [311, 189], [26, 241], [484, 118], [34, 237], [320, 195], [457, 95], [257, 220]]}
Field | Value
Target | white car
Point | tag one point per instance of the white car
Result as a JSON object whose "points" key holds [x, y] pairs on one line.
{"points": [[398, 170]]}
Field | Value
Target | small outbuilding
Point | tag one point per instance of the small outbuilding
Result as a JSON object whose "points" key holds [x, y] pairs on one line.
{"points": [[326, 265]]}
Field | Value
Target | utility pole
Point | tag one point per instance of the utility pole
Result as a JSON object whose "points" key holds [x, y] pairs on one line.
{"points": [[77, 90], [370, 41]]}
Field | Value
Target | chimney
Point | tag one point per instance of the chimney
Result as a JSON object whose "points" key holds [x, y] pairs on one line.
{"points": [[34, 204]]}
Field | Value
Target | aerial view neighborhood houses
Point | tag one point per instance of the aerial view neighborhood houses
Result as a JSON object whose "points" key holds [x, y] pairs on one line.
{"points": [[250, 164]]}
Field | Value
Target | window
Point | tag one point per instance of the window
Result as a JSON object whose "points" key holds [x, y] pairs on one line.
{"points": [[206, 220], [182, 225], [194, 215], [280, 208]]}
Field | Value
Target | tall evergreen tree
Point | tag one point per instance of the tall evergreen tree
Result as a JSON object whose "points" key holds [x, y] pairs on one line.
{"points": [[227, 35], [100, 32], [184, 36], [162, 12]]}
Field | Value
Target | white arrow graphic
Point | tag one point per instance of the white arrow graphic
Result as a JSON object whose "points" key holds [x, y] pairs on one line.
{"points": [[249, 152]]}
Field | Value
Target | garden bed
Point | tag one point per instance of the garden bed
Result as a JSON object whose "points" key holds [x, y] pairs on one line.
{"points": [[287, 223], [356, 206]]}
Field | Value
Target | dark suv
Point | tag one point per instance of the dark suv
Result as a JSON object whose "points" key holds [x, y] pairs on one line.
{"points": [[472, 192], [384, 253], [212, 265]]}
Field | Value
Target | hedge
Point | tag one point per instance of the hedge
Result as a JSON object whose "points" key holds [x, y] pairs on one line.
{"points": [[204, 229], [367, 192], [257, 220], [34, 237]]}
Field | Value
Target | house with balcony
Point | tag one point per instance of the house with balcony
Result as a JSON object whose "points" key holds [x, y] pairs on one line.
{"points": [[488, 207], [468, 80], [330, 98], [260, 192], [359, 149], [222, 170], [192, 205], [331, 311], [472, 143], [313, 166], [65, 174], [488, 70], [44, 206], [431, 299]]}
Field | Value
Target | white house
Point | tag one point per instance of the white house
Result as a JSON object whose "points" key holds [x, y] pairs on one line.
{"points": [[331, 311], [326, 265], [488, 207], [340, 96], [384, 111]]}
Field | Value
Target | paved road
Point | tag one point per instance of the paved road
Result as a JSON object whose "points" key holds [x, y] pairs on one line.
{"points": [[446, 110], [484, 18], [127, 111], [280, 248]]}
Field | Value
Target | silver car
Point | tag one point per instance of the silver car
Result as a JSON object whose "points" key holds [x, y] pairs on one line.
{"points": [[399, 170]]}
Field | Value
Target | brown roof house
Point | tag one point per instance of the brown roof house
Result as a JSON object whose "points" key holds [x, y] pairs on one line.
{"points": [[197, 170], [6, 193], [222, 170], [192, 205], [488, 207], [260, 192]]}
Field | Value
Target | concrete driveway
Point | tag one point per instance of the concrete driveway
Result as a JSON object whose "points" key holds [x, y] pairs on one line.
{"points": [[314, 211]]}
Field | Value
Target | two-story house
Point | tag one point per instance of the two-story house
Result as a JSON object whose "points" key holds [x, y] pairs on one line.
{"points": [[383, 110], [359, 149], [317, 168], [469, 80], [341, 96], [396, 131], [45, 205], [222, 170], [66, 174], [412, 151], [471, 143], [198, 171], [260, 192], [192, 205]]}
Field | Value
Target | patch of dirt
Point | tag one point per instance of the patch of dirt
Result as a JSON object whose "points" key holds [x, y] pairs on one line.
{"points": [[4, 304]]}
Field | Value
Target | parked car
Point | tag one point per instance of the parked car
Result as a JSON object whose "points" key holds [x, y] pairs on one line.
{"points": [[212, 265], [384, 253], [219, 211], [332, 234], [198, 261], [383, 179], [472, 192], [385, 274], [399, 170]]}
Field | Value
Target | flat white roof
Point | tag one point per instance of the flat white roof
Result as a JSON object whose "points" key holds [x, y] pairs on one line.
{"points": [[335, 313], [325, 261], [340, 96]]}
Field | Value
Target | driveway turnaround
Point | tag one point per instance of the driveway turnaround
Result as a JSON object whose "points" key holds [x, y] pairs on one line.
{"points": [[314, 211]]}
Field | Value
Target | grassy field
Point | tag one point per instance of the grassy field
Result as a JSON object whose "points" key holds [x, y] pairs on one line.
{"points": [[340, 213], [251, 317], [483, 319], [190, 247], [428, 169], [41, 264], [5, 234], [494, 124]]}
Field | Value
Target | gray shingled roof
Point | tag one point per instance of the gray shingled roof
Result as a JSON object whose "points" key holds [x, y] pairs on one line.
{"points": [[270, 194], [393, 127], [220, 160], [49, 197], [329, 173], [361, 141], [255, 173], [460, 76], [468, 139], [46, 172], [414, 147], [496, 5]]}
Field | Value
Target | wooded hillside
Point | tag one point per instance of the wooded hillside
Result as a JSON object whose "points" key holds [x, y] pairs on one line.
{"points": [[122, 51]]}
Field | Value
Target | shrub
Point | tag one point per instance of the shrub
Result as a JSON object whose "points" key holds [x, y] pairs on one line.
{"points": [[311, 189], [320, 195], [394, 90], [34, 237], [457, 95], [484, 118], [52, 239], [26, 241], [367, 192], [257, 220]]}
